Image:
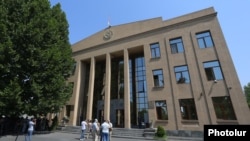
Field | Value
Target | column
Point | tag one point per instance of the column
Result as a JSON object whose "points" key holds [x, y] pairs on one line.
{"points": [[107, 88], [126, 90], [77, 93], [91, 89]]}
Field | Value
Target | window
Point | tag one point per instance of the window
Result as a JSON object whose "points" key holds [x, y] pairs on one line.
{"points": [[155, 50], [161, 110], [204, 39], [181, 74], [138, 89], [158, 78], [141, 85], [69, 108], [223, 108], [188, 109], [213, 70], [74, 69], [176, 45]]}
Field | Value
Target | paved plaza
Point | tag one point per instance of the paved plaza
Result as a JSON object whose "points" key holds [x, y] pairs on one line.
{"points": [[57, 136]]}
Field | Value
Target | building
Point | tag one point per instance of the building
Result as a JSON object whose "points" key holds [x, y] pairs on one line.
{"points": [[176, 73]]}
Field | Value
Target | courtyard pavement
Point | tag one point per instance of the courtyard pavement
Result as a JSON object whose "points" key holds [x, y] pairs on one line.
{"points": [[58, 136]]}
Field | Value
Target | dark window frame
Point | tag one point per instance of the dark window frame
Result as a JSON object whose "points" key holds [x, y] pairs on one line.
{"points": [[182, 74], [223, 108], [204, 39], [176, 45], [158, 78], [188, 109], [161, 110], [155, 50], [213, 70]]}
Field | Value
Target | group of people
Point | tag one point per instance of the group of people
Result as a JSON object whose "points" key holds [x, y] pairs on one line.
{"points": [[17, 125], [101, 131]]}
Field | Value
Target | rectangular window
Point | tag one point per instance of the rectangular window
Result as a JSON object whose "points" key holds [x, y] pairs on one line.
{"points": [[69, 108], [176, 45], [158, 78], [161, 110], [223, 108], [188, 109], [204, 39], [182, 74], [155, 50], [213, 70], [74, 69], [140, 86]]}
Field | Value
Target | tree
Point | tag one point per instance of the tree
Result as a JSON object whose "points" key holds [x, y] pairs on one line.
{"points": [[35, 57], [247, 93]]}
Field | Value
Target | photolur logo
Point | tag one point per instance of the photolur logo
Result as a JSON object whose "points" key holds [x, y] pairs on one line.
{"points": [[214, 132], [233, 132]]}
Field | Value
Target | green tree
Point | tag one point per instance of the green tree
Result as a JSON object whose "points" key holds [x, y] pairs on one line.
{"points": [[35, 57], [247, 93]]}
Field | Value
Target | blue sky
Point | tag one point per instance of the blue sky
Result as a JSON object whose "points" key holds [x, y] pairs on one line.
{"points": [[86, 17]]}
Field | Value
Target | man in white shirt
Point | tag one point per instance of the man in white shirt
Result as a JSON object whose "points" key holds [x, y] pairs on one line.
{"points": [[83, 128], [105, 130], [28, 136]]}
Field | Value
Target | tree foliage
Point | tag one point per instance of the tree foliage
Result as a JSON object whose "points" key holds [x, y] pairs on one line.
{"points": [[35, 57], [247, 93]]}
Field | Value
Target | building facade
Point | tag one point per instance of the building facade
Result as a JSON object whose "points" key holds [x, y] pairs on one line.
{"points": [[177, 73]]}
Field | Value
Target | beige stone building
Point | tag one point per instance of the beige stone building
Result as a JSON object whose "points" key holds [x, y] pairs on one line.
{"points": [[177, 73]]}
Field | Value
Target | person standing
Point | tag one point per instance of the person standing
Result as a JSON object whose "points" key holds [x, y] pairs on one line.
{"points": [[25, 124], [89, 122], [100, 134], [95, 130], [83, 129], [2, 125], [105, 130], [31, 125]]}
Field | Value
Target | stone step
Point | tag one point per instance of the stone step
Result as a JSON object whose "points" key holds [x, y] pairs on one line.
{"points": [[148, 133], [115, 131]]}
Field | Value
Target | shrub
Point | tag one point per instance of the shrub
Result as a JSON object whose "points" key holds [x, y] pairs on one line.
{"points": [[160, 132]]}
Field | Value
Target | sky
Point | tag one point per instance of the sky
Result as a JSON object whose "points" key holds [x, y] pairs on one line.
{"points": [[87, 17]]}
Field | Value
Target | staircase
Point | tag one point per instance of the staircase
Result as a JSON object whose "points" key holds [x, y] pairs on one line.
{"points": [[147, 134], [116, 132], [128, 133]]}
